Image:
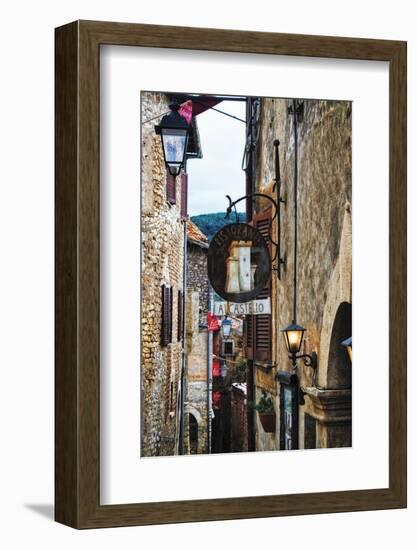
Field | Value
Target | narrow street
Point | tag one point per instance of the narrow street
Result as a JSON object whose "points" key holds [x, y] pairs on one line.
{"points": [[246, 274]]}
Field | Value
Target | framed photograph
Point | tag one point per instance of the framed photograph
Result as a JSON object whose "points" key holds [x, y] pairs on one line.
{"points": [[230, 217]]}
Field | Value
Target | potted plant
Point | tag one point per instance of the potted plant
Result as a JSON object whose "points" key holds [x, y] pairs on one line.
{"points": [[265, 408]]}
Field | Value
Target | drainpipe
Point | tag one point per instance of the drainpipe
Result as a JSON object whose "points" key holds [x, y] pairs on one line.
{"points": [[183, 355], [209, 371]]}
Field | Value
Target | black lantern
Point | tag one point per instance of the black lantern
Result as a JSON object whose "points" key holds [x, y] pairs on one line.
{"points": [[174, 132], [226, 327], [348, 345], [293, 335]]}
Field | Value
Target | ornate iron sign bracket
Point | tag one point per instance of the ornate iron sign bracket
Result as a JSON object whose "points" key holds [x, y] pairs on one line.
{"points": [[277, 261]]}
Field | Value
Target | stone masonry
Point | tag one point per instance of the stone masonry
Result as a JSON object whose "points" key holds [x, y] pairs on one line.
{"points": [[324, 258], [197, 339], [162, 264]]}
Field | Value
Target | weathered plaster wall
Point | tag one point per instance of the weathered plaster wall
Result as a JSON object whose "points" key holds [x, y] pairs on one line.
{"points": [[324, 215], [162, 263]]}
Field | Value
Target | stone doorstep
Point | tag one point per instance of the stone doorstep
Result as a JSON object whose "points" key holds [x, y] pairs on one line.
{"points": [[329, 405]]}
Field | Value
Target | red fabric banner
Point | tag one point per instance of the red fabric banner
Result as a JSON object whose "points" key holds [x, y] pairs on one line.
{"points": [[213, 322], [186, 110], [217, 396], [216, 368]]}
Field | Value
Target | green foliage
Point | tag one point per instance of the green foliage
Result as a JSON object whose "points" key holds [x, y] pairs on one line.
{"points": [[264, 405], [209, 224], [240, 371]]}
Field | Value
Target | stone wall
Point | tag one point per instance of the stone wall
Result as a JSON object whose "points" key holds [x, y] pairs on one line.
{"points": [[162, 263], [324, 247], [197, 277], [196, 374]]}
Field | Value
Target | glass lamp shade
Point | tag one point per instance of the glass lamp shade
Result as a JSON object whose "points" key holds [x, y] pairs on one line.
{"points": [[223, 370], [293, 335], [174, 142], [226, 327], [174, 131], [348, 345]]}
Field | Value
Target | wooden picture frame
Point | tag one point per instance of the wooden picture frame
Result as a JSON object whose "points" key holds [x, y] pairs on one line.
{"points": [[77, 404]]}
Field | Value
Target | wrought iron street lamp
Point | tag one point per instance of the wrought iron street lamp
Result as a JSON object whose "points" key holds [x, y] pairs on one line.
{"points": [[226, 327], [348, 345], [293, 335], [174, 132]]}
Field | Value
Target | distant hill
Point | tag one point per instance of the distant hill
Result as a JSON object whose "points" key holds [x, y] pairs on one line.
{"points": [[209, 224]]}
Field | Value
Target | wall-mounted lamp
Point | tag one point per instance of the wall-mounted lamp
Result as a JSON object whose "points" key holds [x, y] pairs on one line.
{"points": [[348, 345], [174, 132], [293, 335], [226, 327], [223, 369]]}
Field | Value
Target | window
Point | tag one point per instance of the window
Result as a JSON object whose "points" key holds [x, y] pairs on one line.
{"points": [[184, 195], [166, 316], [180, 322], [228, 347], [171, 189]]}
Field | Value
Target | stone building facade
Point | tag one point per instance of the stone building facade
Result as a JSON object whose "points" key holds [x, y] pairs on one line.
{"points": [[320, 401], [197, 406], [197, 246], [162, 285]]}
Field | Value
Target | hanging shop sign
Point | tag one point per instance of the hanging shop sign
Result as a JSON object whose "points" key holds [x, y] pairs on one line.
{"points": [[255, 307], [239, 264]]}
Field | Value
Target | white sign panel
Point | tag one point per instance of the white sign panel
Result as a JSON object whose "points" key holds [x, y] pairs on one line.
{"points": [[255, 307]]}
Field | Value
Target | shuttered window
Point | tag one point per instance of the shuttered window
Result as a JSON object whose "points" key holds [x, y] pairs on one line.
{"points": [[262, 221], [184, 195], [171, 301], [262, 324], [180, 306], [171, 189], [166, 315], [249, 336]]}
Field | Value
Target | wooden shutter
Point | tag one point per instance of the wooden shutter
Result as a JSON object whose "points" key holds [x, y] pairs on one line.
{"points": [[171, 297], [180, 306], [171, 188], [262, 324], [184, 195], [262, 221], [249, 336], [166, 316]]}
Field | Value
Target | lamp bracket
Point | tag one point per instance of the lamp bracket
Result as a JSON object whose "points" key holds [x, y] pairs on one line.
{"points": [[309, 360]]}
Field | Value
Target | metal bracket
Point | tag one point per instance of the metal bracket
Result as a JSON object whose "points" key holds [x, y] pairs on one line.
{"points": [[277, 261], [309, 361]]}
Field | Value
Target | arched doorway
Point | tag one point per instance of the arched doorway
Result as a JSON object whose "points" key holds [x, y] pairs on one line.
{"points": [[339, 374], [193, 433]]}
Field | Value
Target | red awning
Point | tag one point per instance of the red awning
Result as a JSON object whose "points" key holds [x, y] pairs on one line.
{"points": [[201, 104]]}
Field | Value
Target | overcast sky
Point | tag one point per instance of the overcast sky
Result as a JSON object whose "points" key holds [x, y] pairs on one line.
{"points": [[219, 172]]}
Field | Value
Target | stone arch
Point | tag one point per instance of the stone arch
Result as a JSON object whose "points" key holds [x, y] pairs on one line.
{"points": [[339, 291], [189, 409], [192, 430], [339, 372]]}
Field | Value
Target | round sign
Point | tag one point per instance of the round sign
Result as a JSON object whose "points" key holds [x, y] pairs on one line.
{"points": [[239, 264]]}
